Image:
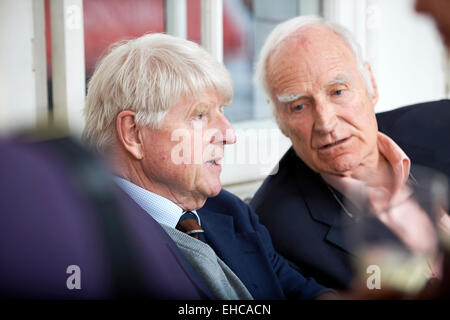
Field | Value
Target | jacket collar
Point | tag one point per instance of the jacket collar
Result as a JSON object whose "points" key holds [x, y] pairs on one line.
{"points": [[221, 234], [325, 208], [322, 205]]}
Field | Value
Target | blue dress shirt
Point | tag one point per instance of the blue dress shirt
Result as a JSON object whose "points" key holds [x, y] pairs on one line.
{"points": [[159, 208]]}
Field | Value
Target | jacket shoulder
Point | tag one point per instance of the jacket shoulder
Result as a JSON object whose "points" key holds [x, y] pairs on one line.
{"points": [[224, 200], [281, 183]]}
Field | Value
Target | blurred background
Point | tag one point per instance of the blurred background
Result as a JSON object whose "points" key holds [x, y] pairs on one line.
{"points": [[49, 49]]}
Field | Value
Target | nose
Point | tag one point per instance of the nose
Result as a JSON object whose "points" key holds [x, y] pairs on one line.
{"points": [[325, 118], [226, 134]]}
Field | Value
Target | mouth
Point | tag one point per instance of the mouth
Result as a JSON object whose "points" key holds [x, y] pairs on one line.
{"points": [[333, 144]]}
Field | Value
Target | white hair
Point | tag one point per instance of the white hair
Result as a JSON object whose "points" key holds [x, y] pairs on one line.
{"points": [[287, 28], [148, 75]]}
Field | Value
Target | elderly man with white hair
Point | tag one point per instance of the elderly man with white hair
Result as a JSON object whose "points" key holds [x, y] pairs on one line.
{"points": [[323, 96], [154, 110]]}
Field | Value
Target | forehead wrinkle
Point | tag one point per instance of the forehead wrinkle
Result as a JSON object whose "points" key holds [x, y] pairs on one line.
{"points": [[293, 78], [340, 79], [289, 80]]}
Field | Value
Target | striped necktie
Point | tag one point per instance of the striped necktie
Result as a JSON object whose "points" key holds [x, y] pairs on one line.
{"points": [[189, 224]]}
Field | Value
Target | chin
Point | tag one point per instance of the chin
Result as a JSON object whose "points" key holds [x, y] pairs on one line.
{"points": [[213, 189], [216, 191], [343, 165]]}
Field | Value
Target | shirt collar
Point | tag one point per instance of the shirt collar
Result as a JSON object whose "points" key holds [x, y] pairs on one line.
{"points": [[161, 209], [396, 157]]}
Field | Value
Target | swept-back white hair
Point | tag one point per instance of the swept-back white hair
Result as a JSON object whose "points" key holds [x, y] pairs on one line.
{"points": [[148, 75], [287, 28]]}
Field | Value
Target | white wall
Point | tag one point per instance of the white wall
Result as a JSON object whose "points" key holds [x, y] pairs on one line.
{"points": [[17, 86], [403, 47], [408, 57]]}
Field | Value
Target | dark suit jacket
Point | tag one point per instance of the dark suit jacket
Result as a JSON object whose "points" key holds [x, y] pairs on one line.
{"points": [[48, 221], [306, 222], [233, 231]]}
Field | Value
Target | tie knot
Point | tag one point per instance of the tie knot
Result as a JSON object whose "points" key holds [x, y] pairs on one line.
{"points": [[188, 215], [188, 224]]}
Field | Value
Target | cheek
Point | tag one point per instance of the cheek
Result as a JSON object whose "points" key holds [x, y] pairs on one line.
{"points": [[369, 126], [301, 135], [299, 132], [170, 152], [198, 175], [299, 128], [185, 176], [164, 156], [303, 149], [360, 116]]}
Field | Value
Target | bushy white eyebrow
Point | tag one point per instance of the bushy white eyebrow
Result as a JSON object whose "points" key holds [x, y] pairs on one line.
{"points": [[291, 97]]}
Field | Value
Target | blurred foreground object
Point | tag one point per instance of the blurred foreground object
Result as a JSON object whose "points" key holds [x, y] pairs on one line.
{"points": [[61, 217], [439, 10], [404, 260]]}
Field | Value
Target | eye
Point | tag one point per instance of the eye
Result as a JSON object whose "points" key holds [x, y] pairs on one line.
{"points": [[298, 107], [337, 92], [199, 116]]}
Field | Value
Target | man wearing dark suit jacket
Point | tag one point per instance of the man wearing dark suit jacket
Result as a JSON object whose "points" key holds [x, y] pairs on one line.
{"points": [[155, 110], [324, 97], [318, 215]]}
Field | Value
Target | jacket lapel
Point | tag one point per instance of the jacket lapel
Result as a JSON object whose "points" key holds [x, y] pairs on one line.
{"points": [[241, 252], [323, 207], [220, 233]]}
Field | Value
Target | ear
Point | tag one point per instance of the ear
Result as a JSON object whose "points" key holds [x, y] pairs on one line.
{"points": [[129, 134], [374, 97]]}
